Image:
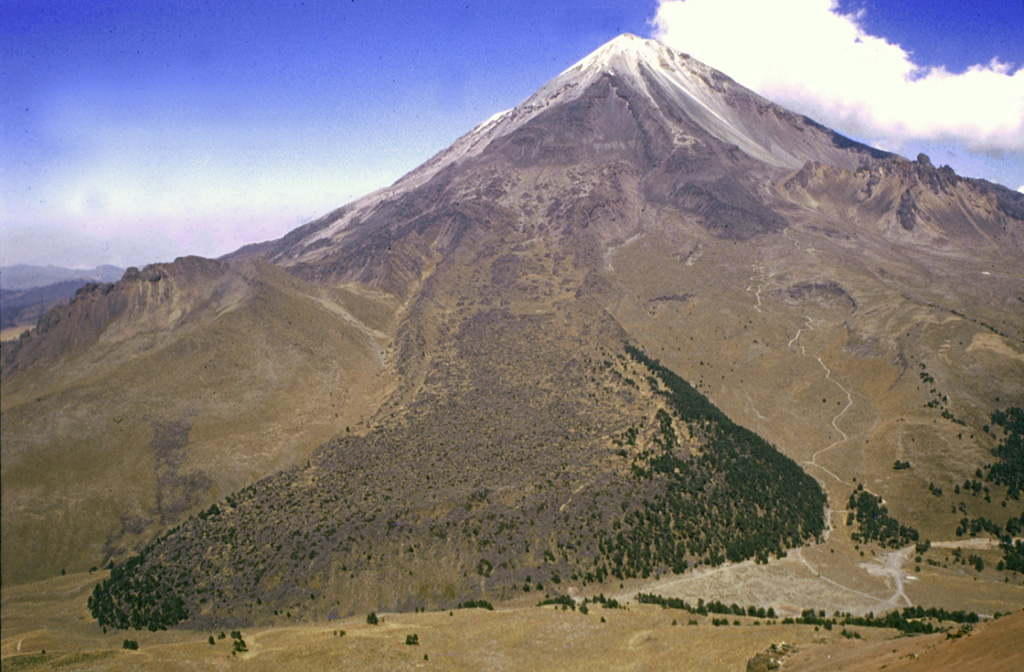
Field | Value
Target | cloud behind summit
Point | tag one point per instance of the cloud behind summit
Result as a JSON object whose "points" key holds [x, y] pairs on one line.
{"points": [[815, 59]]}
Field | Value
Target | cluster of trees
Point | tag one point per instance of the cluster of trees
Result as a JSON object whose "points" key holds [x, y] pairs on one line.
{"points": [[702, 608], [940, 401], [476, 604], [214, 510], [606, 602], [1013, 550], [738, 498], [973, 526], [567, 602], [138, 596], [875, 523], [733, 498], [910, 620], [237, 643], [1013, 556], [687, 401], [564, 600], [1008, 470], [972, 485]]}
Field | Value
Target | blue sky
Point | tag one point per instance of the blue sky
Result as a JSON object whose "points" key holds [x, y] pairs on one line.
{"points": [[135, 132]]}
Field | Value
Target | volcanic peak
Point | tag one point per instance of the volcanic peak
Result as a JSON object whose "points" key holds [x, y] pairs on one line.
{"points": [[623, 54], [682, 96]]}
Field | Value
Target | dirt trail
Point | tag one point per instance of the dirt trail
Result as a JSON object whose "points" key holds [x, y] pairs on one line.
{"points": [[849, 402], [574, 493], [814, 570], [890, 566], [973, 542], [757, 287]]}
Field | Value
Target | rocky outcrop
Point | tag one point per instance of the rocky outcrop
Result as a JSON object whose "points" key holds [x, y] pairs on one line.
{"points": [[913, 199], [172, 289]]}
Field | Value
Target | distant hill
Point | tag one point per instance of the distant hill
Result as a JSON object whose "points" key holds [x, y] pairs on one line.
{"points": [[25, 276], [26, 292], [25, 307]]}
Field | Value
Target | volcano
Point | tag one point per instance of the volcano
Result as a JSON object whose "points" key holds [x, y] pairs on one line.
{"points": [[643, 322]]}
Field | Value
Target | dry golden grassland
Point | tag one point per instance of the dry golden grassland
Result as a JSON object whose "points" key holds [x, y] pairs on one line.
{"points": [[51, 616], [47, 627]]}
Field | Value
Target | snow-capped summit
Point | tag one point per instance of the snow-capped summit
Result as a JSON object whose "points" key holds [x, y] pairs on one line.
{"points": [[636, 100], [624, 53], [679, 90]]}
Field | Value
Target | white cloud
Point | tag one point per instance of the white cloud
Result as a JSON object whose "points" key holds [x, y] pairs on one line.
{"points": [[807, 56]]}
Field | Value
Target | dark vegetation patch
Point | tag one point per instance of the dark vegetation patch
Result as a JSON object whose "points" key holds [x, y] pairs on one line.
{"points": [[874, 522], [939, 400], [177, 489], [681, 298], [735, 476], [828, 291], [703, 608], [912, 620], [521, 465], [139, 595], [1008, 469]]}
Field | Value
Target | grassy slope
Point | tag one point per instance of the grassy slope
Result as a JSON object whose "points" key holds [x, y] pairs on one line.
{"points": [[104, 449], [50, 616]]}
